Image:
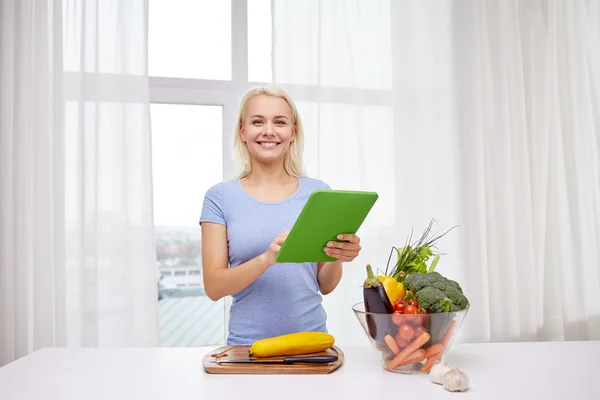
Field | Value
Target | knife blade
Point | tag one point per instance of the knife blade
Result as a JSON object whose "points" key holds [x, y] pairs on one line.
{"points": [[285, 360]]}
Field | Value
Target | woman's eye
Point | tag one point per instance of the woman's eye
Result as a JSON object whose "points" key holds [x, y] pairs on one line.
{"points": [[280, 122], [256, 122]]}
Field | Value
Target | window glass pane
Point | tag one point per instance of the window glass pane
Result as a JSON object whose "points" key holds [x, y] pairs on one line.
{"points": [[317, 46], [190, 39], [259, 41], [187, 150]]}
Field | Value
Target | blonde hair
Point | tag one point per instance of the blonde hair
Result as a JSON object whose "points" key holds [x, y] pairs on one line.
{"points": [[292, 161]]}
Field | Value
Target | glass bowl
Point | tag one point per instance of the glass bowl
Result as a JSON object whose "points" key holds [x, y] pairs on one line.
{"points": [[410, 343]]}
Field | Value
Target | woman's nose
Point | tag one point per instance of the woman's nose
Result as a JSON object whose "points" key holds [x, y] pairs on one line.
{"points": [[269, 128]]}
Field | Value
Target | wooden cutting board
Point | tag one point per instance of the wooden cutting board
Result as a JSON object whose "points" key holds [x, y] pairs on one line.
{"points": [[235, 352]]}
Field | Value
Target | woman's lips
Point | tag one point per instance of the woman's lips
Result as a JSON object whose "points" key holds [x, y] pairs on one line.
{"points": [[268, 145]]}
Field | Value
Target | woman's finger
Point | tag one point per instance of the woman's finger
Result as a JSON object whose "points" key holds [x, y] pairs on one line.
{"points": [[350, 237], [341, 253], [281, 237], [344, 246]]}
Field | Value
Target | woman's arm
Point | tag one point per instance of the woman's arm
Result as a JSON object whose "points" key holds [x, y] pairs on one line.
{"points": [[329, 275], [219, 280]]}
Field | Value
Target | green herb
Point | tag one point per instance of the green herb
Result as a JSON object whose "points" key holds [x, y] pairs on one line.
{"points": [[413, 257]]}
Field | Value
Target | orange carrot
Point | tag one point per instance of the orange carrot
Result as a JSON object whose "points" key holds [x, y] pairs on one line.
{"points": [[433, 349], [420, 354], [433, 357], [430, 361], [415, 357], [391, 342], [415, 354], [434, 353], [448, 334], [414, 345]]}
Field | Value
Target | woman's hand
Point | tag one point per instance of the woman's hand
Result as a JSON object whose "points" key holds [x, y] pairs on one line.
{"points": [[269, 255], [345, 251]]}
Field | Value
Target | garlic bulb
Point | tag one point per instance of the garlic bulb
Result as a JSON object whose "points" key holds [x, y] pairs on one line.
{"points": [[455, 380], [438, 371]]}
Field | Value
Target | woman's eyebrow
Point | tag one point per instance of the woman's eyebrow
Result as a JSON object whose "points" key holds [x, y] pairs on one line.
{"points": [[260, 116]]}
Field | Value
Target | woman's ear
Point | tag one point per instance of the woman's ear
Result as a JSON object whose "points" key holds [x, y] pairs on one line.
{"points": [[242, 136]]}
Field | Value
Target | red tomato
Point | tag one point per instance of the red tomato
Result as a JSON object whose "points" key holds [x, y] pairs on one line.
{"points": [[423, 317], [414, 320], [410, 310], [413, 303], [419, 331], [398, 318], [411, 317], [406, 332], [402, 343], [399, 306]]}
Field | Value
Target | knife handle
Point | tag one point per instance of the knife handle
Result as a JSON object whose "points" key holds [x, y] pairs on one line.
{"points": [[310, 359]]}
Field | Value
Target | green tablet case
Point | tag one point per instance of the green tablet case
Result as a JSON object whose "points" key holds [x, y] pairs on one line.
{"points": [[326, 214]]}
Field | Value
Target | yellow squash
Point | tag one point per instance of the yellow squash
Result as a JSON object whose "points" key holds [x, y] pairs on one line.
{"points": [[292, 344]]}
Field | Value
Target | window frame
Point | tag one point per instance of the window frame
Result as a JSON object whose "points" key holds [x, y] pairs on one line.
{"points": [[169, 90]]}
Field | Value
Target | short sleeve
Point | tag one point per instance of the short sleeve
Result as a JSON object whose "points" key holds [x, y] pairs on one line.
{"points": [[325, 186], [212, 209]]}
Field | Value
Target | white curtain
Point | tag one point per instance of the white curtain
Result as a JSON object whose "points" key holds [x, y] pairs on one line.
{"points": [[483, 114], [77, 261]]}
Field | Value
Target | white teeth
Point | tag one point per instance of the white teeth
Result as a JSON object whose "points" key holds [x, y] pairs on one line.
{"points": [[268, 144]]}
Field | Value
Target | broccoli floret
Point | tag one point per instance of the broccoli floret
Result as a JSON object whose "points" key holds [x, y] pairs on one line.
{"points": [[455, 285], [429, 298], [459, 300], [417, 281], [436, 293]]}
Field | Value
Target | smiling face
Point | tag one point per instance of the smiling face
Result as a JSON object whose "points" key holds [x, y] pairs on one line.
{"points": [[267, 128]]}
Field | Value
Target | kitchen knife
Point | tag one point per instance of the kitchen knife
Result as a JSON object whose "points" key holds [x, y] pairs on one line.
{"points": [[285, 360]]}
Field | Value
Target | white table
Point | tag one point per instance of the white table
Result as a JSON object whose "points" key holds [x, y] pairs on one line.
{"points": [[559, 370]]}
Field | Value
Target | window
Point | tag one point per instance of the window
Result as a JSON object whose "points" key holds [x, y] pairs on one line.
{"points": [[259, 41], [203, 55], [187, 150], [183, 34]]}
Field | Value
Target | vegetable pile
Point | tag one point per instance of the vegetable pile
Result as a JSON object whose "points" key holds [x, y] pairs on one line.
{"points": [[412, 292]]}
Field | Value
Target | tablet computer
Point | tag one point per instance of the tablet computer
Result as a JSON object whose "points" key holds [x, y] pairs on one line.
{"points": [[326, 214]]}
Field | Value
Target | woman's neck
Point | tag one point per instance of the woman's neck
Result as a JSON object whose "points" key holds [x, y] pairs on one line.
{"points": [[267, 183], [265, 174]]}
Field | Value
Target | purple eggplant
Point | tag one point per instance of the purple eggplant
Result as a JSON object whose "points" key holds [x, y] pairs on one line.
{"points": [[377, 302]]}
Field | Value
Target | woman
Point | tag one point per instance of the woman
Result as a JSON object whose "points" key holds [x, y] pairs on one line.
{"points": [[244, 223]]}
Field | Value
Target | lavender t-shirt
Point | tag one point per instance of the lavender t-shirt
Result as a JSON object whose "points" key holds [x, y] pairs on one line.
{"points": [[286, 298]]}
